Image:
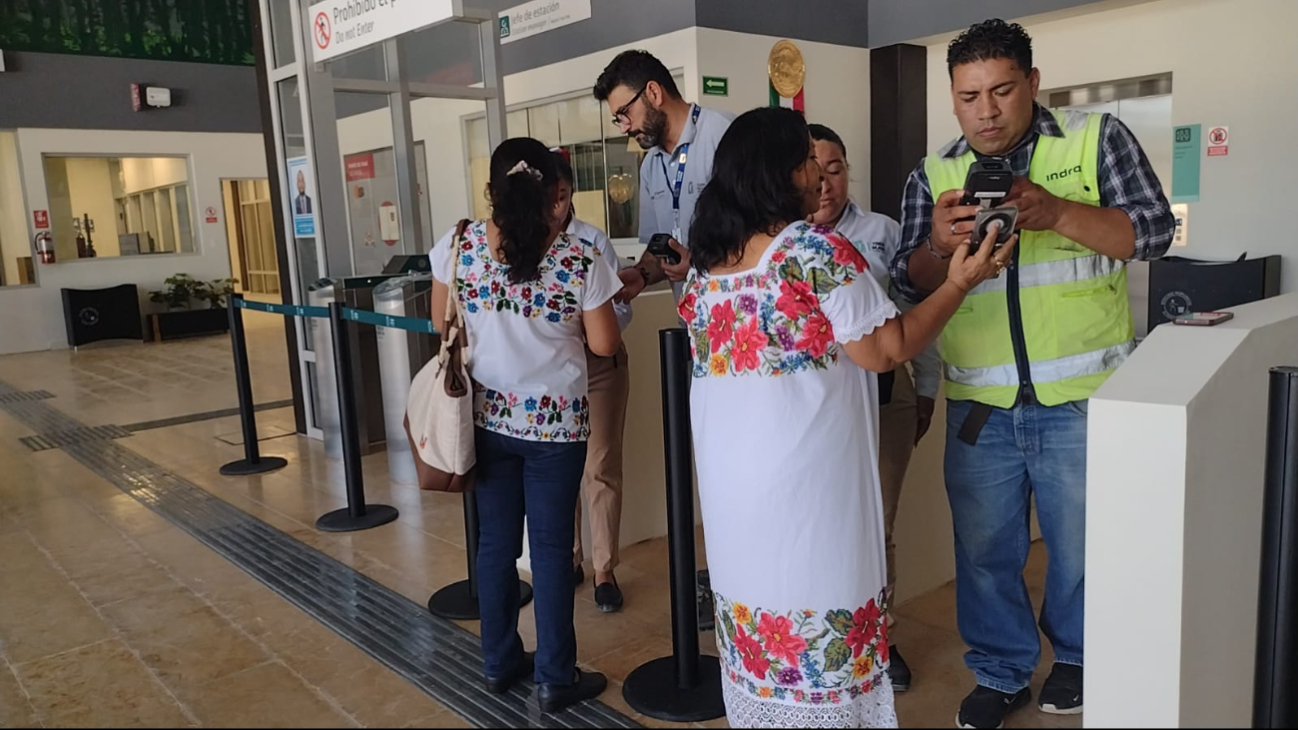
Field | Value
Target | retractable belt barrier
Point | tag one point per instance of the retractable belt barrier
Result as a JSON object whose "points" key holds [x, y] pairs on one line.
{"points": [[456, 601], [409, 324], [686, 686], [358, 515]]}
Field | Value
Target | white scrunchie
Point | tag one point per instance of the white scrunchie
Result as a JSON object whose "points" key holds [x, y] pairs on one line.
{"points": [[522, 166]]}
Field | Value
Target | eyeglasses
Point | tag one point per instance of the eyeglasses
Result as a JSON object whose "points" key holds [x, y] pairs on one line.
{"points": [[620, 114]]}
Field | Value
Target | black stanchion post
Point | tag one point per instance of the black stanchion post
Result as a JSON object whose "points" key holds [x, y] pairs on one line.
{"points": [[357, 515], [686, 686], [459, 601], [1275, 704], [252, 461]]}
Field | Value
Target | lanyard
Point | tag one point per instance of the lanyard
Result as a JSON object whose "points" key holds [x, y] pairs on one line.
{"points": [[683, 157]]}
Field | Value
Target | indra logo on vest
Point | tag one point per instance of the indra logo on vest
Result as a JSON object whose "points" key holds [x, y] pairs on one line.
{"points": [[1075, 170]]}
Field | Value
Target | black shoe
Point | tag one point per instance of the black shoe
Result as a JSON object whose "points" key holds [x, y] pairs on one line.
{"points": [[559, 697], [898, 671], [578, 577], [987, 708], [706, 601], [523, 671], [608, 597], [1062, 692]]}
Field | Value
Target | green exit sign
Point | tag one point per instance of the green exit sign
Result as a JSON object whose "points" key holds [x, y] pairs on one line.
{"points": [[716, 86]]}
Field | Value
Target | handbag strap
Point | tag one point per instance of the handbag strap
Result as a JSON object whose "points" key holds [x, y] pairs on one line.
{"points": [[453, 328]]}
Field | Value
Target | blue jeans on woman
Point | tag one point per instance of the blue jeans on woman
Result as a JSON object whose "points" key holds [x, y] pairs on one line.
{"points": [[539, 481], [1027, 450]]}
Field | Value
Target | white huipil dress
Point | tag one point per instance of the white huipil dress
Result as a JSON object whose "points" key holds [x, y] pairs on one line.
{"points": [[786, 446]]}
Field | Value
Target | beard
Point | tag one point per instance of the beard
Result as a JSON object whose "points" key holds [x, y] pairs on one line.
{"points": [[655, 126]]}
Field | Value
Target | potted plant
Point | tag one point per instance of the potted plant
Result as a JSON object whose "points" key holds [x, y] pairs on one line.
{"points": [[181, 317], [180, 289], [216, 292]]}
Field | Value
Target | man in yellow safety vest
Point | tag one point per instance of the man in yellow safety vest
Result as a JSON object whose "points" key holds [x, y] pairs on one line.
{"points": [[1026, 351]]}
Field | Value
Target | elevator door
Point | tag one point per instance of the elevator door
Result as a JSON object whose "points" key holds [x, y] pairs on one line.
{"points": [[1150, 119]]}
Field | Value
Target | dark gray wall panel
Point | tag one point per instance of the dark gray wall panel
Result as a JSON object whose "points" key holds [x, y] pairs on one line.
{"points": [[612, 23], [898, 21], [843, 22], [56, 90]]}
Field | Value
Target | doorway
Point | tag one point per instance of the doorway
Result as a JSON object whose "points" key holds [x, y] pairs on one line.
{"points": [[250, 230]]}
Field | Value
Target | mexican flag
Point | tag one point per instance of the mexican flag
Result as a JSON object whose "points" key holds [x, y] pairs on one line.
{"points": [[797, 102]]}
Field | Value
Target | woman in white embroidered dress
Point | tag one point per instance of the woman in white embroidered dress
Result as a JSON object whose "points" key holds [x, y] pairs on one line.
{"points": [[530, 294], [788, 331]]}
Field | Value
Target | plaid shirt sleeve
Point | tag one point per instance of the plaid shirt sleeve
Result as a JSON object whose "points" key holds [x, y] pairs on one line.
{"points": [[1127, 181], [916, 220]]}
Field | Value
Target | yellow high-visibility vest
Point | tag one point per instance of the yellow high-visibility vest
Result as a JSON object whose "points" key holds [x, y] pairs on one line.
{"points": [[1077, 325]]}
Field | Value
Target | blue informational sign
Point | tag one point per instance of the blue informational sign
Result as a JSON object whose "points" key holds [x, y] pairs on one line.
{"points": [[302, 197]]}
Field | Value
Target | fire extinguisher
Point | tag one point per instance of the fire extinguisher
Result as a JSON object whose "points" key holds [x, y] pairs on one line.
{"points": [[45, 247]]}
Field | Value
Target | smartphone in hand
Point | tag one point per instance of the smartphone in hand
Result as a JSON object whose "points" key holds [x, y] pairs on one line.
{"points": [[660, 248], [1007, 216]]}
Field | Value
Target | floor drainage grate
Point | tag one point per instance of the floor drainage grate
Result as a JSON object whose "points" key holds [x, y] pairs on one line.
{"points": [[437, 656], [78, 434], [21, 396]]}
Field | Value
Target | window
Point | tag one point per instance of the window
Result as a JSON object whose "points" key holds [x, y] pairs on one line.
{"points": [[606, 164], [103, 207]]}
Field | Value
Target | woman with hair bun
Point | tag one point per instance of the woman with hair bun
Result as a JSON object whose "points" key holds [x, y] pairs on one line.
{"points": [[533, 299]]}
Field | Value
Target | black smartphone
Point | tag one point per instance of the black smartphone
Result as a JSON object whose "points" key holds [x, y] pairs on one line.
{"points": [[987, 182], [659, 247]]}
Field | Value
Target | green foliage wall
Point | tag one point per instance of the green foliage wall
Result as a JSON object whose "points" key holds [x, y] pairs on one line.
{"points": [[207, 31]]}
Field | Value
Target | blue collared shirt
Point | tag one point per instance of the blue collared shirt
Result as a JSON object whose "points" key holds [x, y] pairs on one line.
{"points": [[658, 175]]}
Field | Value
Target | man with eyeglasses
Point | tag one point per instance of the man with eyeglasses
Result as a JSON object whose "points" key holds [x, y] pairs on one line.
{"points": [[680, 139]]}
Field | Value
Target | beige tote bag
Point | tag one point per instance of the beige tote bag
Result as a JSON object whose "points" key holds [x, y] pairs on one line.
{"points": [[439, 413]]}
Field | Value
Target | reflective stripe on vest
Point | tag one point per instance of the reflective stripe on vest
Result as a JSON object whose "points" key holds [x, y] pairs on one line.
{"points": [[1054, 272], [1073, 366], [1075, 313]]}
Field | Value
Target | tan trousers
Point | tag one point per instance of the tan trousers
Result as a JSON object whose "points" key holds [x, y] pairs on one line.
{"points": [[609, 386], [896, 443]]}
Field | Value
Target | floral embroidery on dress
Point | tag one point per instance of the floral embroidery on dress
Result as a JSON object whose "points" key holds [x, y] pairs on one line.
{"points": [[531, 418], [759, 331], [567, 262], [802, 656]]}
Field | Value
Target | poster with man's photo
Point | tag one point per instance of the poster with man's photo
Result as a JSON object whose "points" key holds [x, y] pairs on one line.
{"points": [[301, 186]]}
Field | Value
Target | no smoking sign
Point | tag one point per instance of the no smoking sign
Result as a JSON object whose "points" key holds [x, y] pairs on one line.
{"points": [[1218, 141]]}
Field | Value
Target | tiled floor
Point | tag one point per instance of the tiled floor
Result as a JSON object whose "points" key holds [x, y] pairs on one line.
{"points": [[110, 615]]}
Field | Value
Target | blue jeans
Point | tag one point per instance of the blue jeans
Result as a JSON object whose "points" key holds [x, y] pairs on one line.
{"points": [[1022, 451], [539, 481]]}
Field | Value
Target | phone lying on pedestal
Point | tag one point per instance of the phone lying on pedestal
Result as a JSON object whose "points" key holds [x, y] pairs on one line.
{"points": [[1204, 319]]}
